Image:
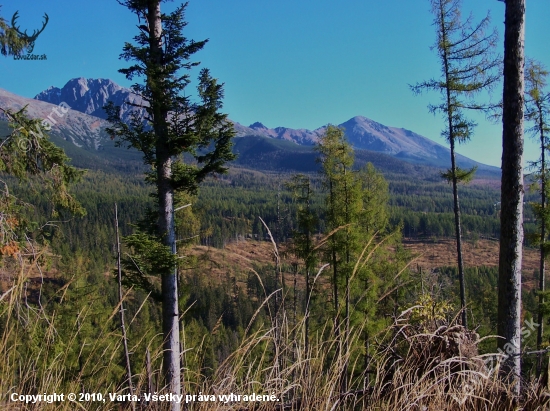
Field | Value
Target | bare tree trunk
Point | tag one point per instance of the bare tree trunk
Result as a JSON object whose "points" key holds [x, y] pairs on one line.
{"points": [[170, 309], [149, 371], [542, 245], [335, 285], [308, 285], [344, 386], [458, 234], [458, 227], [308, 296], [511, 218], [122, 322]]}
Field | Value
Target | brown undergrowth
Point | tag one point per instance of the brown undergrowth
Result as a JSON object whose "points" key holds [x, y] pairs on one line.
{"points": [[422, 362]]}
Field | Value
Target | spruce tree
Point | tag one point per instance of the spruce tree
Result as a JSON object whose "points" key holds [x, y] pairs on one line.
{"points": [[468, 67], [174, 125]]}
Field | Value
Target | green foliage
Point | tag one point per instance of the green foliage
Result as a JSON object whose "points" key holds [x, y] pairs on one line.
{"points": [[342, 205], [537, 111], [183, 126], [307, 221], [28, 156], [428, 310], [461, 176], [367, 278], [11, 44], [147, 257], [375, 214], [468, 67], [537, 99], [28, 151], [174, 127]]}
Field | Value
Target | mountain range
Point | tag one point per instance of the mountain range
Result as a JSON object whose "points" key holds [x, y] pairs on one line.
{"points": [[83, 126]]}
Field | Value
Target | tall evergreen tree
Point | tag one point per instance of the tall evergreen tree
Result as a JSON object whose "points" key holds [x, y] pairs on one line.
{"points": [[303, 237], [374, 228], [468, 67], [537, 111], [174, 126], [343, 206], [512, 190]]}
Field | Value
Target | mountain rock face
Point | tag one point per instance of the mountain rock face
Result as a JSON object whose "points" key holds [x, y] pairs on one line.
{"points": [[88, 96], [397, 142], [82, 130]]}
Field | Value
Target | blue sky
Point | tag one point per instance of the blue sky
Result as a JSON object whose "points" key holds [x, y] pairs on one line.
{"points": [[299, 63]]}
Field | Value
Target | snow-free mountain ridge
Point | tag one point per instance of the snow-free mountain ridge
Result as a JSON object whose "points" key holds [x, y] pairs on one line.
{"points": [[86, 119], [90, 95]]}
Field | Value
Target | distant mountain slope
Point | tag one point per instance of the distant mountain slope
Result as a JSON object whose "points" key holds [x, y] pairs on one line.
{"points": [[81, 129], [366, 134], [84, 125], [82, 136], [90, 95], [264, 153]]}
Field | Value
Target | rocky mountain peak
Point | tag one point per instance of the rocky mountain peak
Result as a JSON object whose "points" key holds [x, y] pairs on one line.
{"points": [[89, 96], [257, 126]]}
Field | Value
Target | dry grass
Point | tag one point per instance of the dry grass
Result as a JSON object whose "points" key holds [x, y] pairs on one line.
{"points": [[442, 252], [238, 259], [418, 364]]}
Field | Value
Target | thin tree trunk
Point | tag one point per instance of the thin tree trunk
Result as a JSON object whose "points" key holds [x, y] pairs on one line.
{"points": [[458, 227], [308, 296], [122, 322], [335, 282], [294, 321], [542, 244], [148, 370], [308, 263], [458, 233], [344, 386], [511, 217]]}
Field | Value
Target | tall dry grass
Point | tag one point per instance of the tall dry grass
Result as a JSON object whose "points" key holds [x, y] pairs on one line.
{"points": [[416, 366]]}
